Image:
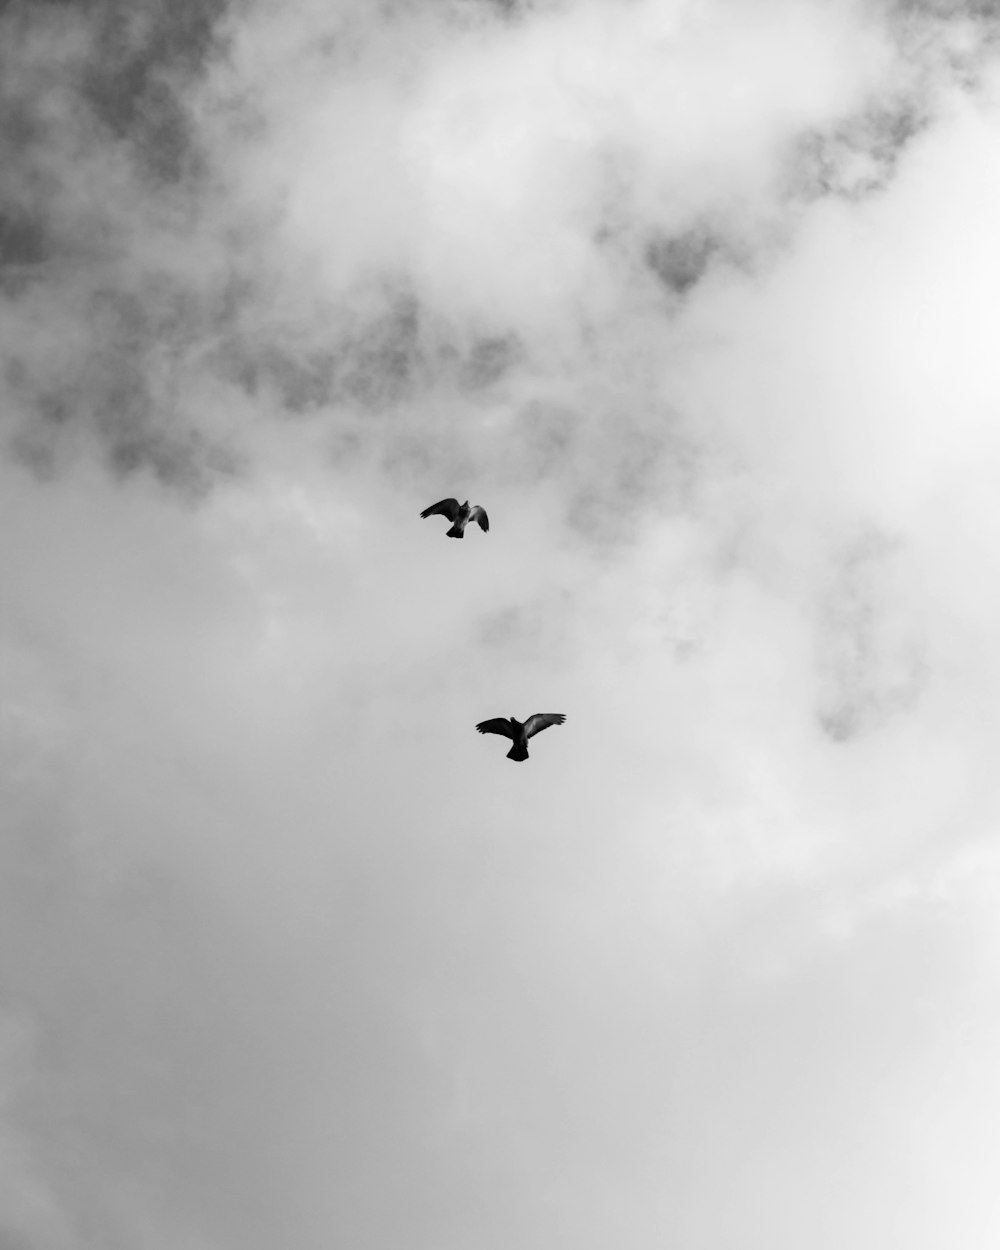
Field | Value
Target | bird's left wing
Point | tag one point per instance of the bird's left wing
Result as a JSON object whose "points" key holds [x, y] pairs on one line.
{"points": [[446, 507], [541, 720], [479, 514], [499, 725]]}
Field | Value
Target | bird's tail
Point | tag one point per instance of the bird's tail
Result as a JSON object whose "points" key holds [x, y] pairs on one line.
{"points": [[518, 752], [457, 530]]}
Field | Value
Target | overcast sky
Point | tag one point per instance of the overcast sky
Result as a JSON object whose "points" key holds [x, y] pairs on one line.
{"points": [[699, 299]]}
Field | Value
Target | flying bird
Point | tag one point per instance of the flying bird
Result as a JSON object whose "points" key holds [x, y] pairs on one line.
{"points": [[459, 515], [519, 731]]}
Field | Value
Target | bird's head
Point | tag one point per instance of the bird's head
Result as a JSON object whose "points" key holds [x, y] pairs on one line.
{"points": [[515, 722]]}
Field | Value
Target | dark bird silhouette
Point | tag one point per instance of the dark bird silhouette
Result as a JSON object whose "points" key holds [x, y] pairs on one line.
{"points": [[519, 731], [459, 515]]}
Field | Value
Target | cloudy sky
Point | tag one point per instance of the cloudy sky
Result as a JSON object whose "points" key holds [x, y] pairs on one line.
{"points": [[699, 299]]}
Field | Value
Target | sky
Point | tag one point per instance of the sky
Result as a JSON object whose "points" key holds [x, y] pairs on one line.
{"points": [[697, 299]]}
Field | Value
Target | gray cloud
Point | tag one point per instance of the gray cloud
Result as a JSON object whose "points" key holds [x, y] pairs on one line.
{"points": [[144, 228], [861, 157], [698, 301], [871, 659]]}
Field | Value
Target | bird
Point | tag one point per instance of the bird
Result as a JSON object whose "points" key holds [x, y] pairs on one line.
{"points": [[520, 731], [459, 515]]}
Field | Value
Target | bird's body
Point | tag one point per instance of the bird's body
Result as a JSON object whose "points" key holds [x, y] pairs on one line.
{"points": [[520, 731], [459, 514]]}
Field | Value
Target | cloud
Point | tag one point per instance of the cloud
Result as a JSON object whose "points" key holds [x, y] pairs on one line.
{"points": [[351, 210], [697, 301]]}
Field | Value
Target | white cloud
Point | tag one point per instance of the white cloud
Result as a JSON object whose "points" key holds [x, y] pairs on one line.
{"points": [[696, 300]]}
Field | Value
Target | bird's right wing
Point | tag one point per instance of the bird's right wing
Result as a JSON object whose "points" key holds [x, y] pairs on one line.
{"points": [[479, 514], [447, 507], [541, 720], [499, 725]]}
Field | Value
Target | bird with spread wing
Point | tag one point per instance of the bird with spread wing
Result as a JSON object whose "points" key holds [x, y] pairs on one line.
{"points": [[459, 515], [520, 731]]}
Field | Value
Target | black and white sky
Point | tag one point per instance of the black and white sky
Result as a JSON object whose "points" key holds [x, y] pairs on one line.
{"points": [[699, 298]]}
